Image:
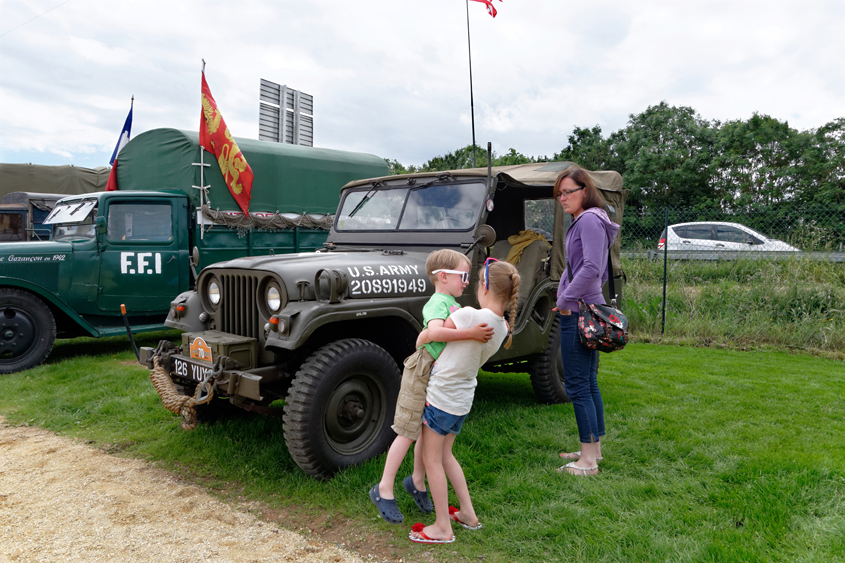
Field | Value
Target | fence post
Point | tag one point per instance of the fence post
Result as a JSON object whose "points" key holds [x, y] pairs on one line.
{"points": [[665, 259]]}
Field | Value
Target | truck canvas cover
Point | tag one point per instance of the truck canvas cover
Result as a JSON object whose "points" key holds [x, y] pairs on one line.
{"points": [[66, 180], [288, 178]]}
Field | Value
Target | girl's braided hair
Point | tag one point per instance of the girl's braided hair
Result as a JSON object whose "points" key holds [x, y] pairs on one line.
{"points": [[504, 283]]}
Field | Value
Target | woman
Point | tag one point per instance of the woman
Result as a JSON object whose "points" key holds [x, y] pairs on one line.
{"points": [[587, 243]]}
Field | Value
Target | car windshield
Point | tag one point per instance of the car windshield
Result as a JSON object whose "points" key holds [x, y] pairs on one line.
{"points": [[451, 207], [73, 220]]}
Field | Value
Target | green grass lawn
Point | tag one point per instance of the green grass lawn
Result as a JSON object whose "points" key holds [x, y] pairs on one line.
{"points": [[711, 455]]}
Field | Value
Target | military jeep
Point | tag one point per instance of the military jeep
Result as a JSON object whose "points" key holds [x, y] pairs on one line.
{"points": [[324, 333]]}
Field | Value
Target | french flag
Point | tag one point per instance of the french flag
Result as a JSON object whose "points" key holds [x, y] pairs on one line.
{"points": [[124, 135], [111, 185]]}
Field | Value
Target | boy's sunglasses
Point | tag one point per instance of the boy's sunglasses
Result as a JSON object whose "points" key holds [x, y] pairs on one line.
{"points": [[487, 272], [464, 275]]}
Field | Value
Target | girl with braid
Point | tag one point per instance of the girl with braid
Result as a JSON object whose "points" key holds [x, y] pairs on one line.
{"points": [[449, 397]]}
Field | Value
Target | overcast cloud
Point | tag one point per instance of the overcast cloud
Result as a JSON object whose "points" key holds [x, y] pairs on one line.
{"points": [[390, 77]]}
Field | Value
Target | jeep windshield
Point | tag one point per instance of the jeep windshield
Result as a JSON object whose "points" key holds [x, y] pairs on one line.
{"points": [[438, 207], [73, 220]]}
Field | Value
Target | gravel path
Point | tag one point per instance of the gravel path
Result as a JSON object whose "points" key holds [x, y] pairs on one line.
{"points": [[64, 501]]}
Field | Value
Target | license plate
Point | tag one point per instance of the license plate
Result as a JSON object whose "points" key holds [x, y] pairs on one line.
{"points": [[196, 371]]}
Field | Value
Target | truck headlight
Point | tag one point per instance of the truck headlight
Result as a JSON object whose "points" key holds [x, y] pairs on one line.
{"points": [[274, 298]]}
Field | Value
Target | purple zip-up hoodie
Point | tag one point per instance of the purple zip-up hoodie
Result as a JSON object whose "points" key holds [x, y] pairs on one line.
{"points": [[587, 241]]}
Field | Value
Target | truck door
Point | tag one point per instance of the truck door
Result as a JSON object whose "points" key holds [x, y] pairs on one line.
{"points": [[141, 260]]}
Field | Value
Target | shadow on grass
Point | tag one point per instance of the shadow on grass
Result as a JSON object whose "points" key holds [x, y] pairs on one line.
{"points": [[112, 345]]}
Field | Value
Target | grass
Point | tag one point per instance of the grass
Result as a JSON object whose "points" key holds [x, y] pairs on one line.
{"points": [[711, 455], [797, 304]]}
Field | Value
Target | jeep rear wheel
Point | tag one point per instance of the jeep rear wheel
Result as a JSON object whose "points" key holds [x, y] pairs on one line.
{"points": [[340, 406], [27, 330], [546, 370]]}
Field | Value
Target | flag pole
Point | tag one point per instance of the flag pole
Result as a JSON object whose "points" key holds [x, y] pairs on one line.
{"points": [[471, 103]]}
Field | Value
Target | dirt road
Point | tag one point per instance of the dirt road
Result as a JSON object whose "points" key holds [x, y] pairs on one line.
{"points": [[64, 501]]}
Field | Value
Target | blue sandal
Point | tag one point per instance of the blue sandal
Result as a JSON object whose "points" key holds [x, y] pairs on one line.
{"points": [[387, 508], [420, 497]]}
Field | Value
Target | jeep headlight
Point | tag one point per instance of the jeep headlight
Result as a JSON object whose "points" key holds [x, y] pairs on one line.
{"points": [[274, 298], [214, 293]]}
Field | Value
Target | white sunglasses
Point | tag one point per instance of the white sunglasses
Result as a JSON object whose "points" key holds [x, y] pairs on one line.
{"points": [[464, 275]]}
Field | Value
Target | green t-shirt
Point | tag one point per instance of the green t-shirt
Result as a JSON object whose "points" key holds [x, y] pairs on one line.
{"points": [[440, 306]]}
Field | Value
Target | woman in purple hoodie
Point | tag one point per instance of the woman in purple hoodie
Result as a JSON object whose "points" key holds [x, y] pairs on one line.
{"points": [[587, 243]]}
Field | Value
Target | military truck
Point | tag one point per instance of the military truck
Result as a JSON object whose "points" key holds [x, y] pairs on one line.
{"points": [[326, 332], [22, 216], [140, 245]]}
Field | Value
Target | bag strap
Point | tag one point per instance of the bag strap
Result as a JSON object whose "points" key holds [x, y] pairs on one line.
{"points": [[609, 279]]}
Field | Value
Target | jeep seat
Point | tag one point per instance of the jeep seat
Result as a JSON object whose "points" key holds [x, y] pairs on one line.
{"points": [[530, 266]]}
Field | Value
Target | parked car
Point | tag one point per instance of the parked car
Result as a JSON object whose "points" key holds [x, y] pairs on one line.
{"points": [[719, 236]]}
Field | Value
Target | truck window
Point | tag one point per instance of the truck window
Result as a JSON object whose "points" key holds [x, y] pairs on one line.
{"points": [[147, 222], [12, 227], [540, 216]]}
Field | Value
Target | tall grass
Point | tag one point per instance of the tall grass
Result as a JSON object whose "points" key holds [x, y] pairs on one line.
{"points": [[795, 303]]}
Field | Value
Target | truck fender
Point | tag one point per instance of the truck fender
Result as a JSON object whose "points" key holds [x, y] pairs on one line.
{"points": [[187, 320], [52, 301]]}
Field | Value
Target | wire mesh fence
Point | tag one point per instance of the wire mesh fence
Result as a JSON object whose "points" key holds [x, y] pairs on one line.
{"points": [[758, 278]]}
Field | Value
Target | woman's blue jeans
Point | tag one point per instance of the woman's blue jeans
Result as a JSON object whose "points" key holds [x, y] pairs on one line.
{"points": [[580, 372]]}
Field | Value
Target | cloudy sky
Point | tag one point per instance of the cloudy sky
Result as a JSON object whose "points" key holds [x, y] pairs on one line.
{"points": [[390, 77]]}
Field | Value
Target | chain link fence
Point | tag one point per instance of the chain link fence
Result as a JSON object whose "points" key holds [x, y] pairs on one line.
{"points": [[764, 277]]}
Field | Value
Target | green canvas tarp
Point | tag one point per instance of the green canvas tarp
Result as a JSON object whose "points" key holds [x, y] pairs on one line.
{"points": [[66, 180], [288, 178]]}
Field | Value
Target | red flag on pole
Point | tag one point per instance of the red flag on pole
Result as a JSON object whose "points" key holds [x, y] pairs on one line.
{"points": [[216, 139], [111, 185], [491, 9]]}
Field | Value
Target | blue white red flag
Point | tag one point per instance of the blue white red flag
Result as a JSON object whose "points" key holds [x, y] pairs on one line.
{"points": [[124, 135]]}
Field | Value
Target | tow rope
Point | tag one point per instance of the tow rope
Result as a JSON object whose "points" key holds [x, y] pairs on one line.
{"points": [[182, 405]]}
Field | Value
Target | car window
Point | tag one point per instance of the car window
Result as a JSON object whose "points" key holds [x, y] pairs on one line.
{"points": [[140, 222], [698, 232], [725, 233]]}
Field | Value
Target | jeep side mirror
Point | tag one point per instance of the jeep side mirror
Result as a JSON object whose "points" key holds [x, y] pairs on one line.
{"points": [[485, 236]]}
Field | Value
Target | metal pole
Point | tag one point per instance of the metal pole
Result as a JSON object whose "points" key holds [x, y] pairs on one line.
{"points": [[471, 103], [665, 259]]}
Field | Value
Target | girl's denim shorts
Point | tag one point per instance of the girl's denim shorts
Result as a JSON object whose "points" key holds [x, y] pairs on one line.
{"points": [[442, 422]]}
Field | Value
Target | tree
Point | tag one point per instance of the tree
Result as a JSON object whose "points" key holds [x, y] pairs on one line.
{"points": [[588, 149]]}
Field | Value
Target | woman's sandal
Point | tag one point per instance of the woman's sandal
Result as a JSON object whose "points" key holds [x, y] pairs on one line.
{"points": [[575, 455], [583, 470]]}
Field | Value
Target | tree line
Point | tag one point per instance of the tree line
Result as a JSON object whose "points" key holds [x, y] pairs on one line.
{"points": [[671, 156]]}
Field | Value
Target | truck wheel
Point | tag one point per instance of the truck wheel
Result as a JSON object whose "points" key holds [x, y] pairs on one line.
{"points": [[27, 330], [340, 406], [546, 370]]}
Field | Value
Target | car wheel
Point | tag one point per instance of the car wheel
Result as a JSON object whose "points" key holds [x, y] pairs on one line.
{"points": [[546, 370], [340, 406], [27, 330]]}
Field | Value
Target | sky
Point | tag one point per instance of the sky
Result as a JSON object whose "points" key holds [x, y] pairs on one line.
{"points": [[391, 77]]}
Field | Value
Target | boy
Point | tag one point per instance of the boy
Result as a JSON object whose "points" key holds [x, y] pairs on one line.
{"points": [[448, 270]]}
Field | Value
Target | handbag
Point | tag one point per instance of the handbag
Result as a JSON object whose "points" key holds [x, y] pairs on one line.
{"points": [[602, 327]]}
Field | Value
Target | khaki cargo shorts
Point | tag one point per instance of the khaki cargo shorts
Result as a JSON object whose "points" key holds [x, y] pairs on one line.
{"points": [[409, 406]]}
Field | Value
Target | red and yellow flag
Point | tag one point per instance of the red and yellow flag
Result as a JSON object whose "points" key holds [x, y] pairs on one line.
{"points": [[216, 139]]}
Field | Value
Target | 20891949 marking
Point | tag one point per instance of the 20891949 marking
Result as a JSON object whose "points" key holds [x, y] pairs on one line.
{"points": [[326, 332]]}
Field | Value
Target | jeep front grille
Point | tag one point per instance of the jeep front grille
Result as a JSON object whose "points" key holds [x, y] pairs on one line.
{"points": [[238, 309]]}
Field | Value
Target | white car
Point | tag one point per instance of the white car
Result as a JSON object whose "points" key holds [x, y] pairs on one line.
{"points": [[719, 236]]}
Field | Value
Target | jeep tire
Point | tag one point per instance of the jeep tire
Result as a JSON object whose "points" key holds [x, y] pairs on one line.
{"points": [[546, 370], [339, 408], [27, 330]]}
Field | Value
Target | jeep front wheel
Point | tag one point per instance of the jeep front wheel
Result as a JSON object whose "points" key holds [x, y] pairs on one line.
{"points": [[546, 370], [27, 330], [340, 406]]}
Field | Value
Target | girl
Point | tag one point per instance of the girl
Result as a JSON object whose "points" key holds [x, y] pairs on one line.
{"points": [[587, 241], [449, 397]]}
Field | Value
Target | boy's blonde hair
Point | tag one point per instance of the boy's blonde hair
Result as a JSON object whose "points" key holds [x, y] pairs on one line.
{"points": [[444, 259], [504, 284]]}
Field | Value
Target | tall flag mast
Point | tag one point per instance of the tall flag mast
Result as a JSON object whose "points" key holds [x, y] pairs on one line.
{"points": [[491, 9], [111, 184]]}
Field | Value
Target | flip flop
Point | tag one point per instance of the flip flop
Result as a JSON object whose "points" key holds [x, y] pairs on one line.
{"points": [[453, 510], [418, 528], [576, 456], [387, 508], [583, 470], [420, 497]]}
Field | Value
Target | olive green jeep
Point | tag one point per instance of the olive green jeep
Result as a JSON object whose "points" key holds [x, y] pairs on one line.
{"points": [[326, 332]]}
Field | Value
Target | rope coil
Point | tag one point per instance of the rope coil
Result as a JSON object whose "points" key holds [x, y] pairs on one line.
{"points": [[176, 403]]}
